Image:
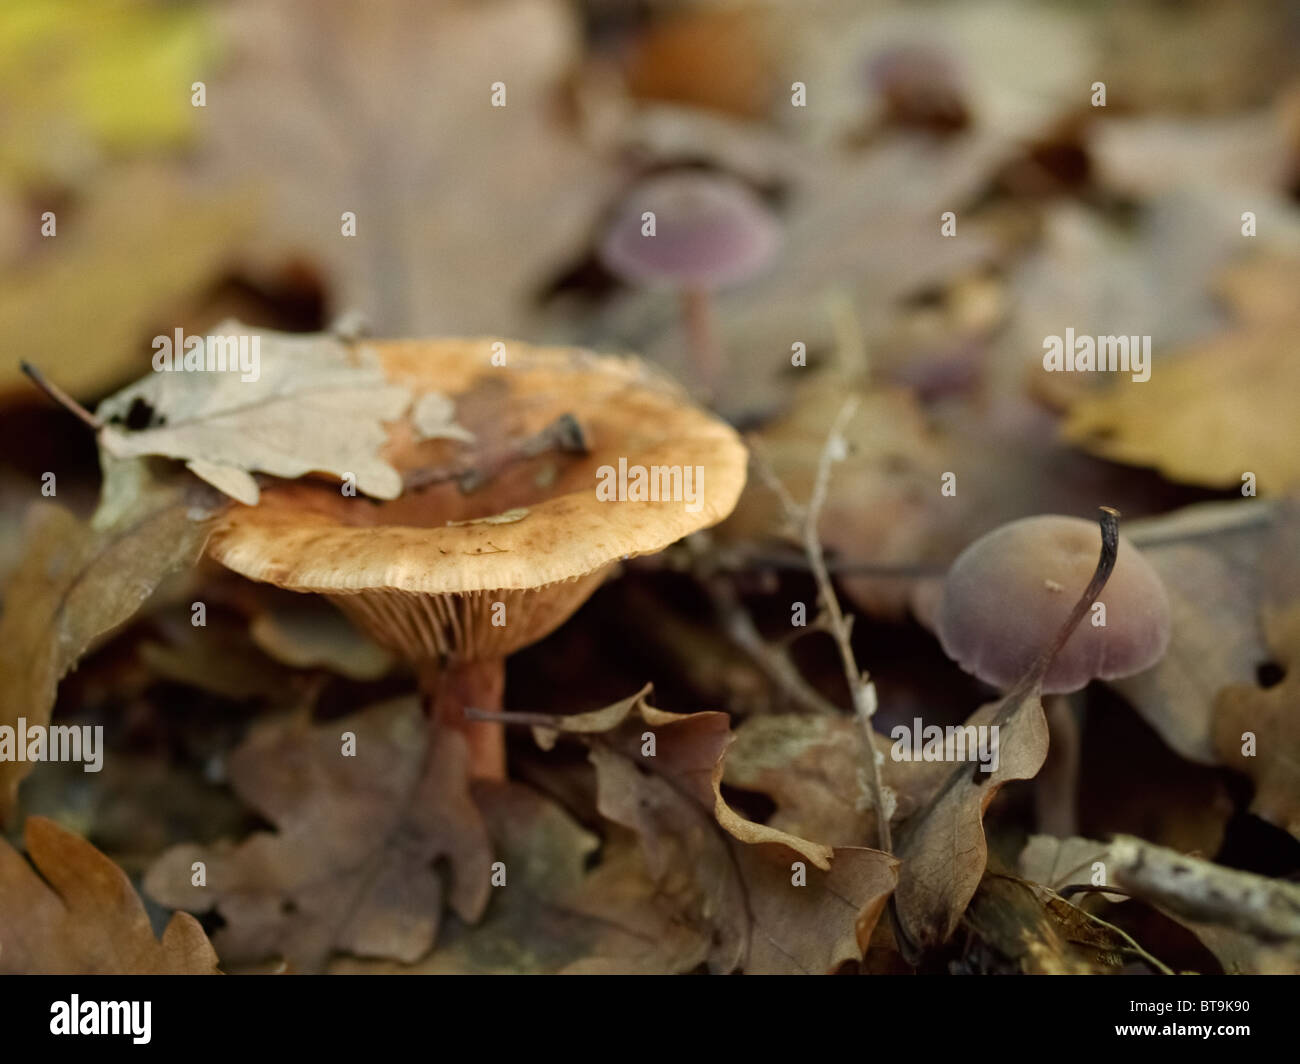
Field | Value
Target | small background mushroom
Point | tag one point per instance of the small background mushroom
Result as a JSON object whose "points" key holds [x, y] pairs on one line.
{"points": [[710, 231]]}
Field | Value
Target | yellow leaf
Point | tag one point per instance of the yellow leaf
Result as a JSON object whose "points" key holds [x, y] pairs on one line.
{"points": [[1225, 408]]}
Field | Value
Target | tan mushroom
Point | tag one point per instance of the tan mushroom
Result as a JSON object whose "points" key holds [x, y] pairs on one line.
{"points": [[456, 580]]}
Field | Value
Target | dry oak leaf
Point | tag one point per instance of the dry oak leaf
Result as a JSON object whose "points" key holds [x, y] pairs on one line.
{"points": [[1224, 408], [310, 404], [351, 867], [75, 583], [552, 915], [76, 913], [770, 902]]}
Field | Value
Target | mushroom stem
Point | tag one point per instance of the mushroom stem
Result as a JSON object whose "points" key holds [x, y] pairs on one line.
{"points": [[697, 312], [1056, 797], [449, 689]]}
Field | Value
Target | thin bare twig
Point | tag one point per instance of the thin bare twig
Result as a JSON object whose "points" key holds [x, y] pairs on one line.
{"points": [[60, 396], [805, 519], [771, 659]]}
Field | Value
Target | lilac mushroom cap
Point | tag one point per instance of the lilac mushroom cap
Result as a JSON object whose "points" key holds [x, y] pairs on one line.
{"points": [[1009, 592], [711, 231]]}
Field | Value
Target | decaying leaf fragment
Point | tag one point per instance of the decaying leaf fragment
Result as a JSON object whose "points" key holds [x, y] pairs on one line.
{"points": [[351, 868], [771, 902], [76, 913]]}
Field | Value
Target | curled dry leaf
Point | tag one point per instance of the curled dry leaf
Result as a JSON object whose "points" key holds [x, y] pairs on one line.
{"points": [[308, 404], [76, 913], [944, 850], [770, 901], [76, 583], [351, 867]]}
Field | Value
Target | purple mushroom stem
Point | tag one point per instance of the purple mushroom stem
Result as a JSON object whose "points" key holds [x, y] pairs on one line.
{"points": [[702, 335]]}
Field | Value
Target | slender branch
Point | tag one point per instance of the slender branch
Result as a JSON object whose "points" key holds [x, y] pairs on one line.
{"points": [[60, 396], [805, 520], [772, 660], [860, 686]]}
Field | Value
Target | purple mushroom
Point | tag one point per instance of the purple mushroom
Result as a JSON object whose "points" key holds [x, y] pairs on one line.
{"points": [[695, 232], [1009, 591]]}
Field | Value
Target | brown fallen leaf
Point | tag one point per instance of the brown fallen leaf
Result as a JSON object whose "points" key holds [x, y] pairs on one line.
{"points": [[551, 915], [811, 766], [943, 849], [352, 86], [75, 583], [769, 901], [76, 913], [351, 867]]}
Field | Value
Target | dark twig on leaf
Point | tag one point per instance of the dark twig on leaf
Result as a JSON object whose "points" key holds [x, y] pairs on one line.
{"points": [[563, 435], [60, 396]]}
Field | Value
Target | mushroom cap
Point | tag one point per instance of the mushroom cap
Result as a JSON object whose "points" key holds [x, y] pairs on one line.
{"points": [[710, 231], [427, 587], [1008, 593]]}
